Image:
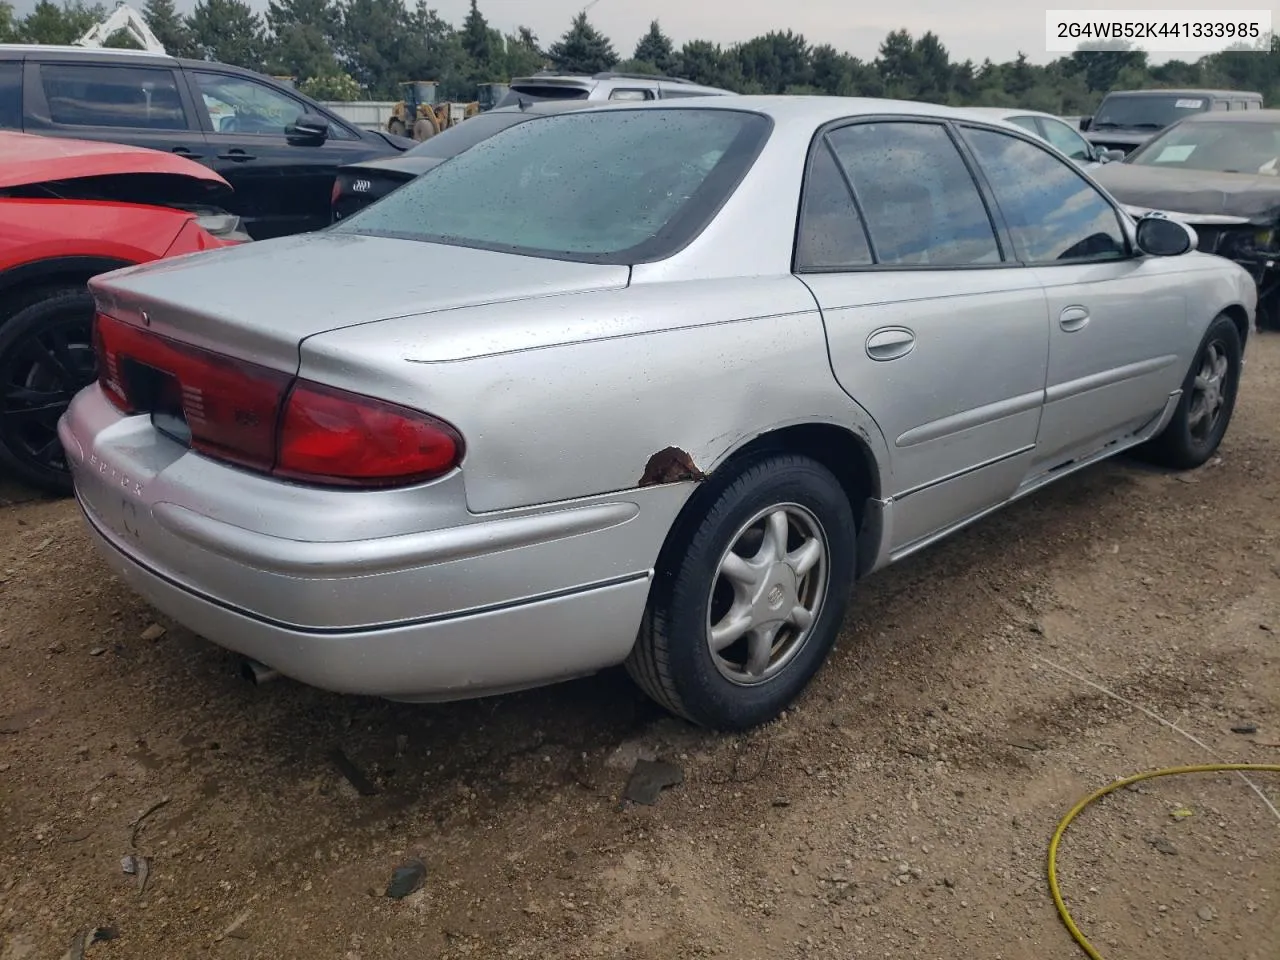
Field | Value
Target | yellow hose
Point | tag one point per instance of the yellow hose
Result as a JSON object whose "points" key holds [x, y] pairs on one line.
{"points": [[1063, 912]]}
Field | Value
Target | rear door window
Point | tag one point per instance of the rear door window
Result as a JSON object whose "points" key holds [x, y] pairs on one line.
{"points": [[631, 94], [97, 95], [921, 204], [11, 95]]}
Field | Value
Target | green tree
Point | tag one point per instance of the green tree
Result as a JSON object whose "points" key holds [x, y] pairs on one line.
{"points": [[583, 49], [706, 63], [122, 39], [897, 65], [655, 48], [640, 66], [228, 31], [481, 46], [50, 23], [1101, 67], [934, 72], [376, 45], [523, 54], [169, 27], [332, 86], [776, 62], [303, 36], [8, 24]]}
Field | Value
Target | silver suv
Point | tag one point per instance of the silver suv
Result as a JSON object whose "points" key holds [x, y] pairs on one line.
{"points": [[603, 86]]}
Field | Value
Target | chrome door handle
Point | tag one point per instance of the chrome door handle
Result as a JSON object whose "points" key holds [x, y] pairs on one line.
{"points": [[890, 343], [1073, 318]]}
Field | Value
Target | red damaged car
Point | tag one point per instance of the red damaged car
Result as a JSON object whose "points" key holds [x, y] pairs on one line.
{"points": [[70, 210]]}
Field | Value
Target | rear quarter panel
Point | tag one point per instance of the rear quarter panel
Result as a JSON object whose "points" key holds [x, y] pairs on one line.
{"points": [[570, 397]]}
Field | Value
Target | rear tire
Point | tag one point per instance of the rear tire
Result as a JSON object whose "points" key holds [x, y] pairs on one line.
{"points": [[1208, 400], [396, 127], [46, 357], [743, 613]]}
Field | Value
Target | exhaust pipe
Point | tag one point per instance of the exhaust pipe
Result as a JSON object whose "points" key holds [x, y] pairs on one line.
{"points": [[257, 673]]}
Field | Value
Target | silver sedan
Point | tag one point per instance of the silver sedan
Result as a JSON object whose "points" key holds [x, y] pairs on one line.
{"points": [[646, 384]]}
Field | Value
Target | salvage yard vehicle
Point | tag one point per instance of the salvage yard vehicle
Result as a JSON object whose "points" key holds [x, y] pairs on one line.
{"points": [[1126, 119], [607, 85], [359, 184], [277, 148], [651, 384], [70, 209], [1220, 173], [1055, 131]]}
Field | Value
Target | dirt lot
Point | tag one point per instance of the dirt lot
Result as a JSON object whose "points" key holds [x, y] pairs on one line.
{"points": [[902, 810]]}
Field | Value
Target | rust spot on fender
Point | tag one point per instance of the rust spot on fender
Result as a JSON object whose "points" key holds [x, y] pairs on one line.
{"points": [[671, 465]]}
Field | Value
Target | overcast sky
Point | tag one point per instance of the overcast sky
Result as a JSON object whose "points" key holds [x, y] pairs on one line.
{"points": [[994, 28]]}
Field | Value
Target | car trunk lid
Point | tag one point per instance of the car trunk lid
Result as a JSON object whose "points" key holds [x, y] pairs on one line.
{"points": [[258, 302]]}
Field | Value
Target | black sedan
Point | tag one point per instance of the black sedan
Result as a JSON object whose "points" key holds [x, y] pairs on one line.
{"points": [[1219, 172], [360, 184]]}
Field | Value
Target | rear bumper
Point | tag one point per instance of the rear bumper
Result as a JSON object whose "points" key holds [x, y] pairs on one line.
{"points": [[504, 648], [401, 593]]}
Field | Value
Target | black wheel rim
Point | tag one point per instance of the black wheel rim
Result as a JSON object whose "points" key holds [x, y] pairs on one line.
{"points": [[39, 375]]}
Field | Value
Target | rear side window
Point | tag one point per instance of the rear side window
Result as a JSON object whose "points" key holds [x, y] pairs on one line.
{"points": [[1054, 213], [921, 204], [831, 236], [11, 96], [94, 95], [534, 92], [631, 94]]}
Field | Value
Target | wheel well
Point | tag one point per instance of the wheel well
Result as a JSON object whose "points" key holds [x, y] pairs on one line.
{"points": [[23, 285], [1240, 319], [841, 451]]}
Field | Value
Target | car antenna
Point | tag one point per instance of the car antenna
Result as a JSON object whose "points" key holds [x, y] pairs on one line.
{"points": [[524, 104]]}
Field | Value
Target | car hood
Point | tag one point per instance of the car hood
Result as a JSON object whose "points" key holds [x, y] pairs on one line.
{"points": [[26, 159], [1249, 196], [1120, 135], [259, 301], [405, 166]]}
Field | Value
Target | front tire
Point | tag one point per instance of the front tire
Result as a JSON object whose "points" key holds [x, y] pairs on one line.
{"points": [[46, 357], [1207, 403], [744, 614]]}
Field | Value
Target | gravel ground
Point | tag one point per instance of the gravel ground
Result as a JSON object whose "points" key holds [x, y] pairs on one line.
{"points": [[902, 810]]}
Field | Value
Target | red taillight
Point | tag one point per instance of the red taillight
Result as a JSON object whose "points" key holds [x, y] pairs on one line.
{"points": [[333, 194], [346, 438], [269, 421]]}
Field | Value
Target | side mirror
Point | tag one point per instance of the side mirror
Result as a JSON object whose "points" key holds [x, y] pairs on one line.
{"points": [[1110, 156], [1158, 236], [308, 130], [1085, 122]]}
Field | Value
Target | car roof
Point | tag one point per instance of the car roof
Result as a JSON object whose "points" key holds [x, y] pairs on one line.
{"points": [[608, 78], [1233, 116], [1184, 91], [1004, 113], [816, 110], [48, 51]]}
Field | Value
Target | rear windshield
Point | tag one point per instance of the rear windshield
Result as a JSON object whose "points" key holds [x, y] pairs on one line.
{"points": [[451, 142], [1226, 147], [1147, 112], [543, 91], [618, 186]]}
